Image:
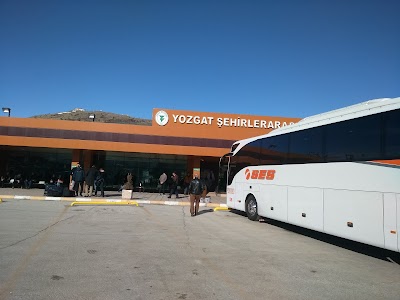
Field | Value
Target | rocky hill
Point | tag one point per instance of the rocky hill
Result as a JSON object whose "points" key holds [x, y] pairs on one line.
{"points": [[79, 114]]}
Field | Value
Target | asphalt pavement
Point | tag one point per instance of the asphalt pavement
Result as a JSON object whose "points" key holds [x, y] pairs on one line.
{"points": [[51, 250]]}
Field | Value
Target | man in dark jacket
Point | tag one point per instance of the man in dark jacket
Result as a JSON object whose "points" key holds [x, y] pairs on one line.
{"points": [[99, 182], [174, 185], [78, 176], [91, 175], [196, 188]]}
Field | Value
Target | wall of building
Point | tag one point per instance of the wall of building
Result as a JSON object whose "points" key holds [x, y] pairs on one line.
{"points": [[186, 133], [180, 141], [217, 125]]}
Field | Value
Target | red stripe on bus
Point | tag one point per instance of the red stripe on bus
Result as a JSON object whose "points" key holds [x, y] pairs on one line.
{"points": [[395, 162]]}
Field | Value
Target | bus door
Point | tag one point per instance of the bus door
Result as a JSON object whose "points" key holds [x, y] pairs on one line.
{"points": [[234, 184], [222, 174], [225, 178]]}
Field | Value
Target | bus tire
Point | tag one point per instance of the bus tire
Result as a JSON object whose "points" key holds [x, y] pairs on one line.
{"points": [[251, 208]]}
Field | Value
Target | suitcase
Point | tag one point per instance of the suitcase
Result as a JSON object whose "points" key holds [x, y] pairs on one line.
{"points": [[68, 193], [53, 190]]}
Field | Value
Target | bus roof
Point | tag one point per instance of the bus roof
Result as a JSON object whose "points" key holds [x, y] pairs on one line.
{"points": [[366, 108]]}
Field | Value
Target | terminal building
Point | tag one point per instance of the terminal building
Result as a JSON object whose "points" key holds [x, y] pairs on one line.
{"points": [[178, 141]]}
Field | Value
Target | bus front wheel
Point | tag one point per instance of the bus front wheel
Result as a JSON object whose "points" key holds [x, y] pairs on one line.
{"points": [[251, 208]]}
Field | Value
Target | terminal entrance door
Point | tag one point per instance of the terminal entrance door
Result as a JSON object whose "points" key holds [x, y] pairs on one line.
{"points": [[210, 173]]}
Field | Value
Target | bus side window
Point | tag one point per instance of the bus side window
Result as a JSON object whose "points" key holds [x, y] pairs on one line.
{"points": [[354, 140], [391, 144], [274, 150], [306, 146]]}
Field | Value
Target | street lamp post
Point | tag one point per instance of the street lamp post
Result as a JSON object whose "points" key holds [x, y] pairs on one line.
{"points": [[7, 110]]}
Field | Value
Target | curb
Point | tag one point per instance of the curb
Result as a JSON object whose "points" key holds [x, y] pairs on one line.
{"points": [[110, 201], [107, 202], [222, 208]]}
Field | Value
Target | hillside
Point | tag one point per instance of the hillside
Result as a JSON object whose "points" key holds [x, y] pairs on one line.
{"points": [[80, 114]]}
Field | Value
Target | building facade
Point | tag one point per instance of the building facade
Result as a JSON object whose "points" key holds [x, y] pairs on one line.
{"points": [[178, 141]]}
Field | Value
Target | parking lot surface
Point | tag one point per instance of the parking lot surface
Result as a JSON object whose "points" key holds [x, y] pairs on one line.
{"points": [[50, 250]]}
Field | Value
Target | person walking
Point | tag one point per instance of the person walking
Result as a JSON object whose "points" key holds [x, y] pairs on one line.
{"points": [[174, 185], [91, 175], [195, 189], [162, 181]]}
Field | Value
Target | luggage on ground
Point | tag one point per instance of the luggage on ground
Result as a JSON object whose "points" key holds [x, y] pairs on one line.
{"points": [[53, 190], [68, 193]]}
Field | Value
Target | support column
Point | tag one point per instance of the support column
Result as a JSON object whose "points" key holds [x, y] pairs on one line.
{"points": [[87, 159], [76, 157], [196, 165]]}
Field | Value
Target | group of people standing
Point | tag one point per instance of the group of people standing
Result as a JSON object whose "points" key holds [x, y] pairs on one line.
{"points": [[89, 183]]}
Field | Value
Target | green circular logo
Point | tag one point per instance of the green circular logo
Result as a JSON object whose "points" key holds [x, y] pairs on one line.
{"points": [[161, 118]]}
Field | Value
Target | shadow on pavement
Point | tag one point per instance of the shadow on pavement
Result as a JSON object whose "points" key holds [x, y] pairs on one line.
{"points": [[204, 211], [358, 247]]}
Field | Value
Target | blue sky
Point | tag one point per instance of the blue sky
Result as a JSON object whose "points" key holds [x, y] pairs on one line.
{"points": [[275, 58]]}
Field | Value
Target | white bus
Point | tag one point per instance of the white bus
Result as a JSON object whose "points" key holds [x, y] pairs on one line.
{"points": [[336, 172]]}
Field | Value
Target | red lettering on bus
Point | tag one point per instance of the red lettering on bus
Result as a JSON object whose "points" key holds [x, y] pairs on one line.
{"points": [[247, 173], [254, 174], [260, 174], [270, 175]]}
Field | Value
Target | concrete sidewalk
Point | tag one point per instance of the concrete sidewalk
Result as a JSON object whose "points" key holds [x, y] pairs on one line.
{"points": [[112, 196]]}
